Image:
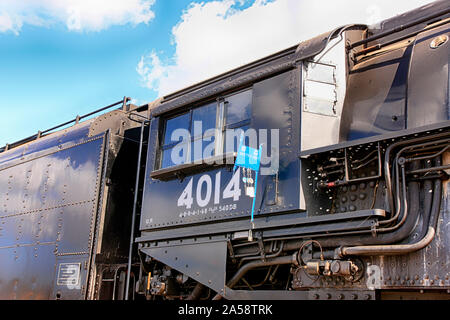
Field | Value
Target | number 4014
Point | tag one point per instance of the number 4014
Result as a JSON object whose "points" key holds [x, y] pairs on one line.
{"points": [[232, 190]]}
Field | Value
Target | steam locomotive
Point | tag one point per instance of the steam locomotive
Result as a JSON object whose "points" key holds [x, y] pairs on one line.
{"points": [[350, 199]]}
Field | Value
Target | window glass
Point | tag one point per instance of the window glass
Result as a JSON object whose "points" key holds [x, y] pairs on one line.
{"points": [[232, 138], [202, 148], [175, 155], [180, 122], [238, 107], [199, 145], [206, 115]]}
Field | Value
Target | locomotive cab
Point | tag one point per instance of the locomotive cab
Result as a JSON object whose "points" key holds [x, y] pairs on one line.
{"points": [[352, 129]]}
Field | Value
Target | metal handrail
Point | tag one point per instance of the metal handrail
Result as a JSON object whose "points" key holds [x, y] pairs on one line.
{"points": [[75, 120]]}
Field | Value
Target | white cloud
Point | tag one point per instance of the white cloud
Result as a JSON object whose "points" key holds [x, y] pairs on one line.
{"points": [[214, 37], [77, 15]]}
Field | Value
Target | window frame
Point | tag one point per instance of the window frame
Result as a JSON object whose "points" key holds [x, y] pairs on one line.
{"points": [[220, 128]]}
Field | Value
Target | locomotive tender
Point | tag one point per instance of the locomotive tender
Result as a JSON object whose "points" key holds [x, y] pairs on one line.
{"points": [[351, 200]]}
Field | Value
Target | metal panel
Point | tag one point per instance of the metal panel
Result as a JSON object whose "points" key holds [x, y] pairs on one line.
{"points": [[48, 210], [426, 268], [293, 223], [27, 272], [428, 83], [321, 119], [376, 95], [203, 262], [275, 106]]}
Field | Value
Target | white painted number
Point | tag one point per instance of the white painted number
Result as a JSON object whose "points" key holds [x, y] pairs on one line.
{"points": [[232, 190], [217, 189], [185, 198], [204, 179]]}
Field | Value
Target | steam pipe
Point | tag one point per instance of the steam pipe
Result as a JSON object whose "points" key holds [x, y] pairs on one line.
{"points": [[392, 237], [292, 259], [395, 249], [196, 293], [428, 201], [403, 248]]}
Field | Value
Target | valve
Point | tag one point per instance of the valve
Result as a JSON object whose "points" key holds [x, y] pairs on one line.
{"points": [[348, 269]]}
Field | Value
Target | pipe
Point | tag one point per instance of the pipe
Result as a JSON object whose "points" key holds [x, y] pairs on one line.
{"points": [[197, 292], [392, 237], [426, 170], [260, 263], [419, 140], [436, 199], [428, 201], [403, 248], [388, 249], [292, 259], [273, 255]]}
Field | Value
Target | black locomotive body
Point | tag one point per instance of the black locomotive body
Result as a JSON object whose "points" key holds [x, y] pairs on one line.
{"points": [[350, 201]]}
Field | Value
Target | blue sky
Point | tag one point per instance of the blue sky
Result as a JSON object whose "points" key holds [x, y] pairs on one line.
{"points": [[60, 58]]}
